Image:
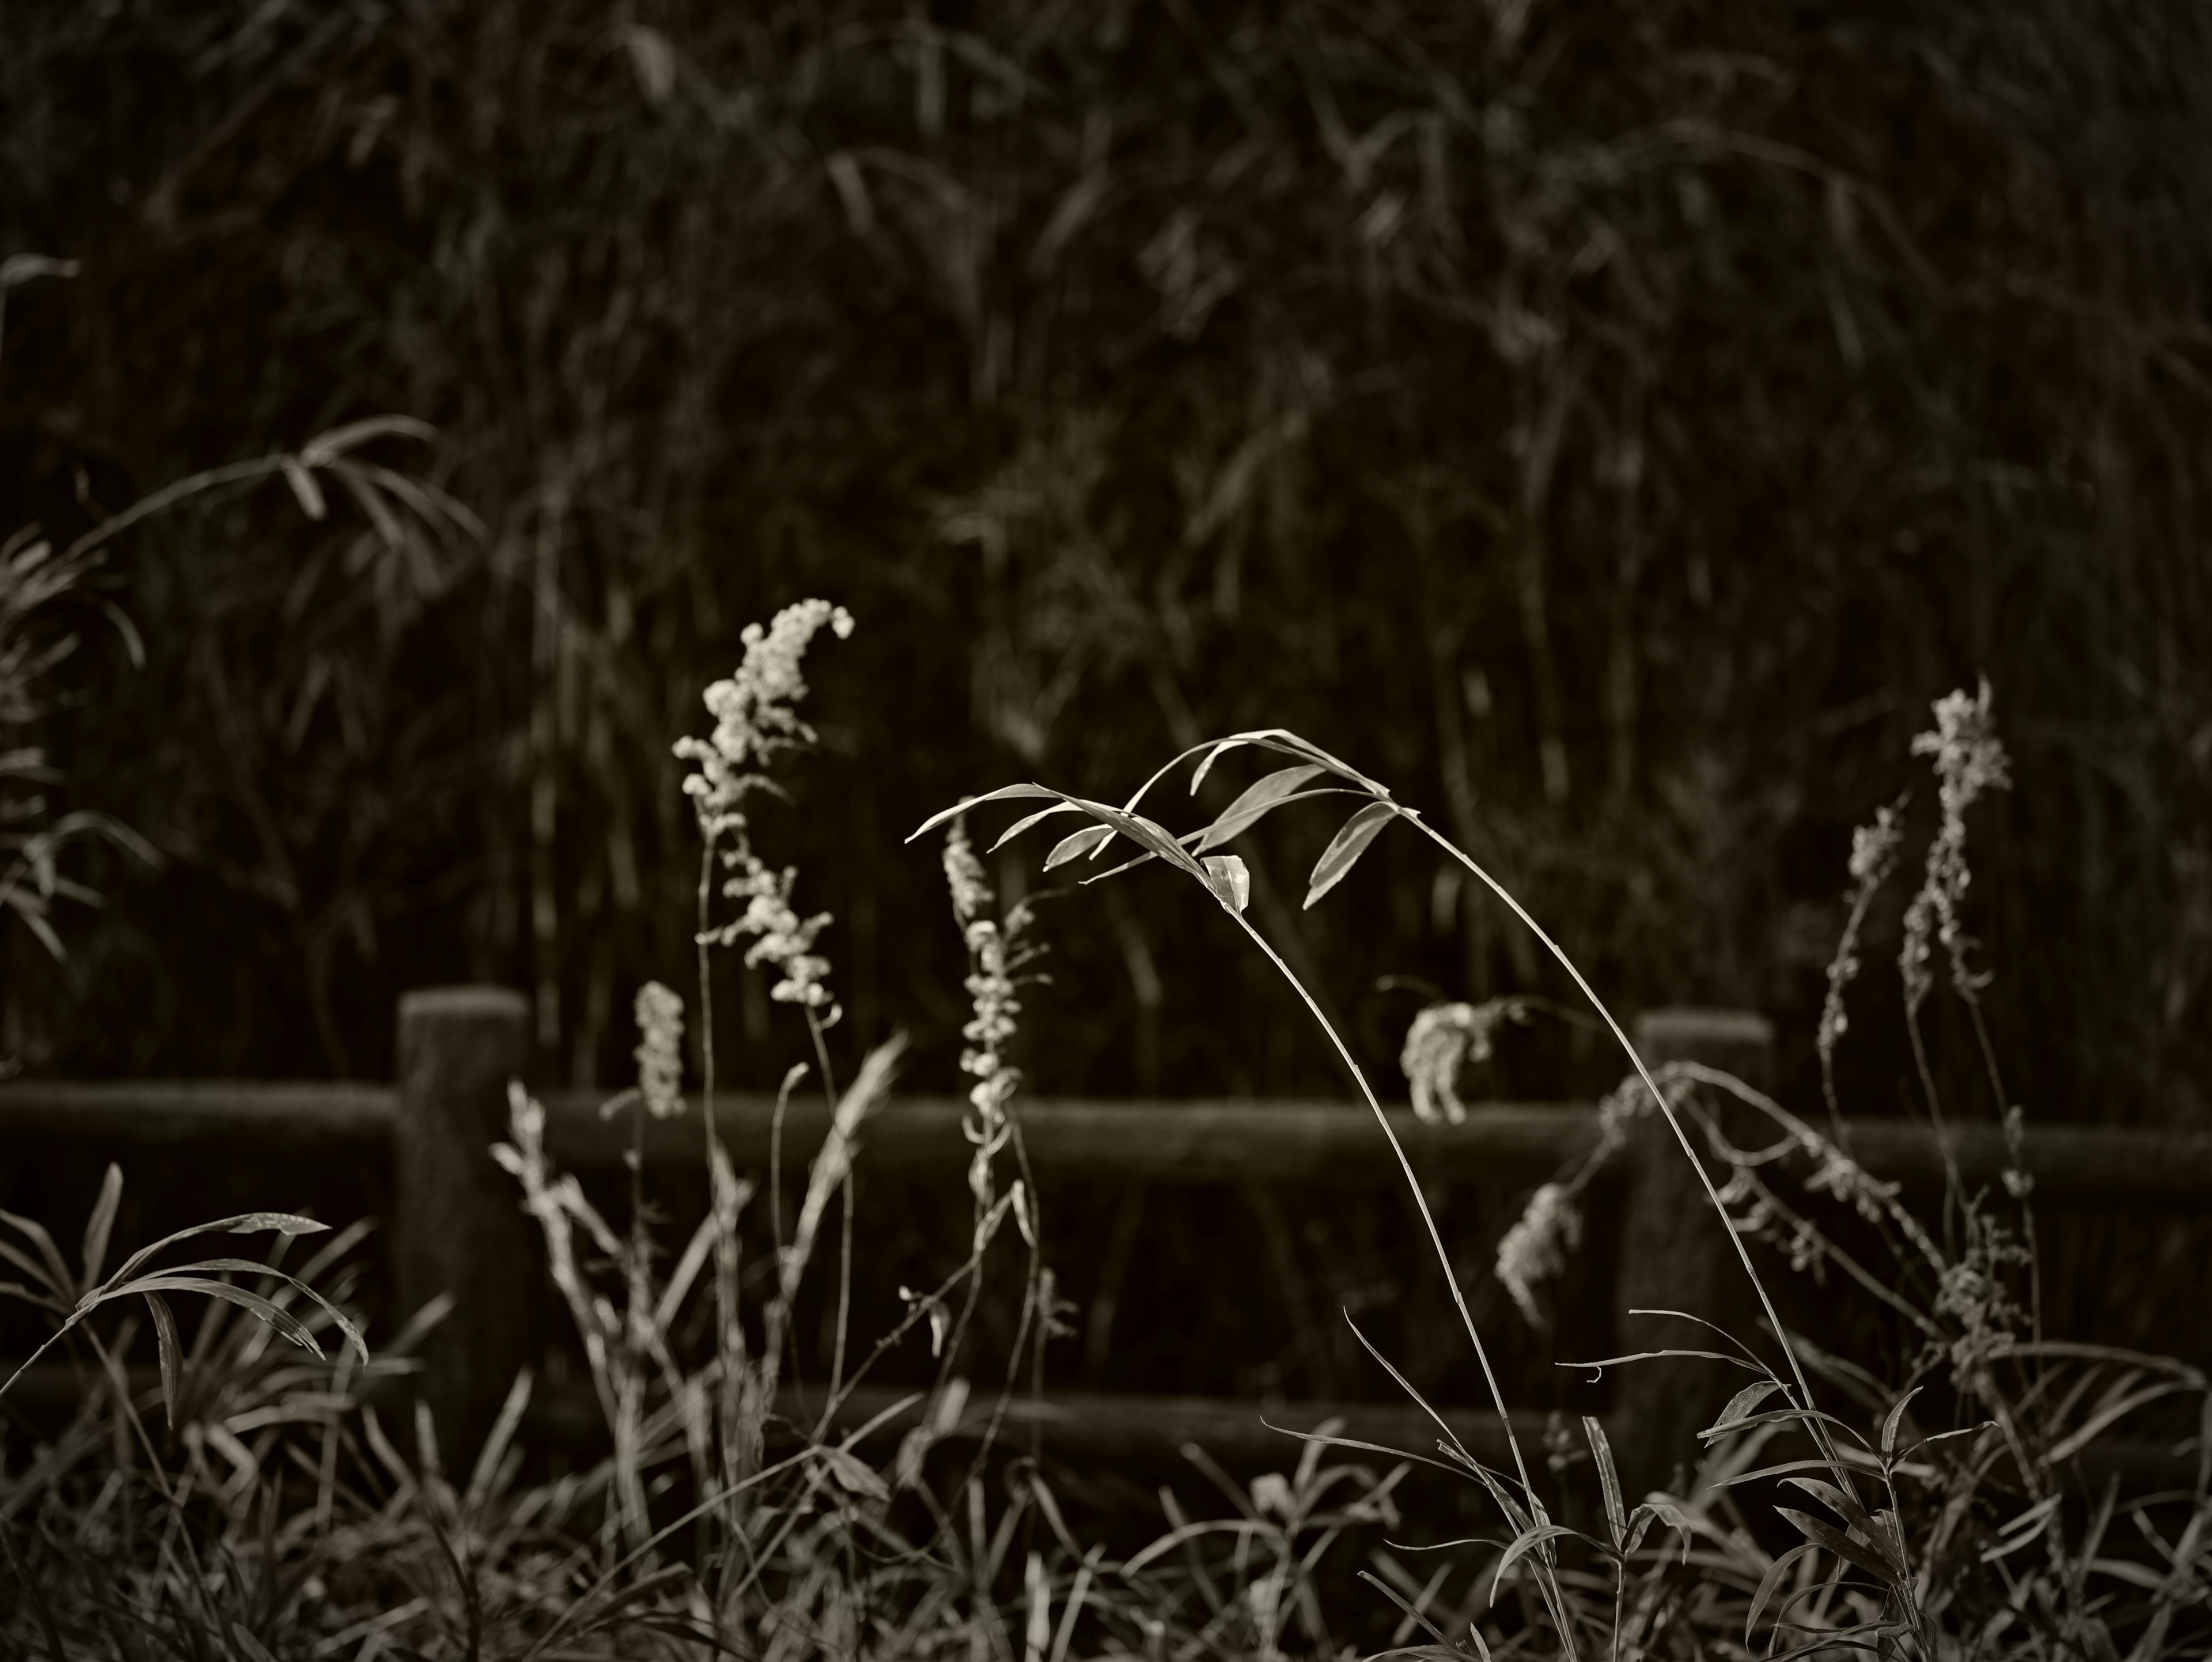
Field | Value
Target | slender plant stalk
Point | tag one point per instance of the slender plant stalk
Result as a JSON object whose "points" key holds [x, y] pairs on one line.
{"points": [[1420, 1200], [1673, 1123]]}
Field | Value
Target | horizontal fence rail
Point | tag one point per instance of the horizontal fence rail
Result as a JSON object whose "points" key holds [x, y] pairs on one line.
{"points": [[1198, 1141], [456, 1230]]}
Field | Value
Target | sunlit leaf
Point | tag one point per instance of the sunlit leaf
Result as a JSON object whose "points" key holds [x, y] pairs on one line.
{"points": [[1077, 844], [1346, 848], [1257, 800], [1029, 819], [1225, 874], [1004, 794]]}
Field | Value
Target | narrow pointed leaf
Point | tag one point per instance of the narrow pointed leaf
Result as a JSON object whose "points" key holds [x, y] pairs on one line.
{"points": [[1523, 1544], [50, 1256], [286, 1324], [1828, 1536], [245, 1223], [101, 1224], [1896, 1418], [1030, 820], [164, 1340], [1257, 800], [1212, 756], [1769, 1583], [1004, 794], [1608, 1479], [1740, 1406], [1846, 1507], [1346, 848], [1088, 841]]}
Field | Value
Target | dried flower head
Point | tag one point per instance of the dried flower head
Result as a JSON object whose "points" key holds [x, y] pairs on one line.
{"points": [[1969, 760], [659, 1051], [1443, 1039], [1536, 1248]]}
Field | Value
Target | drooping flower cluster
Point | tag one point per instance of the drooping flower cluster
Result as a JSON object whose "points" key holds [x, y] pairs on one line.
{"points": [[659, 1051], [1443, 1039], [755, 719], [1969, 760], [1536, 1248]]}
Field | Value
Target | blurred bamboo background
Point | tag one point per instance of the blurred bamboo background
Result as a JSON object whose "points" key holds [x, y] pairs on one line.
{"points": [[1610, 424]]}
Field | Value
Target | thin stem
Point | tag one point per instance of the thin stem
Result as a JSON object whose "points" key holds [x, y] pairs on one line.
{"points": [[1420, 1200], [705, 995], [1674, 1121], [844, 1210]]}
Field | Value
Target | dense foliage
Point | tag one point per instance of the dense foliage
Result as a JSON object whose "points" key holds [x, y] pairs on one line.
{"points": [[1617, 422]]}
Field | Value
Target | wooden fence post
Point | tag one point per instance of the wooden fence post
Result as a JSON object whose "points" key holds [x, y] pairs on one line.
{"points": [[1675, 1254], [458, 1227]]}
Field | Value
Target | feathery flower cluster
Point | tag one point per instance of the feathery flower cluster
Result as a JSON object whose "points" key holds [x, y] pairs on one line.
{"points": [[785, 940], [1536, 1248], [1445, 1039], [755, 714], [1969, 760], [993, 952], [754, 720], [659, 1051], [1873, 857]]}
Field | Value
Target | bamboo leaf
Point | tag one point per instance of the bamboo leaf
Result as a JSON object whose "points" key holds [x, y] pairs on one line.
{"points": [[1346, 848], [1258, 799], [1004, 794], [1030, 820], [1075, 846]]}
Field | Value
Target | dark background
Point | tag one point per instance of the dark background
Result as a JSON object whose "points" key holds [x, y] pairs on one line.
{"points": [[1611, 425]]}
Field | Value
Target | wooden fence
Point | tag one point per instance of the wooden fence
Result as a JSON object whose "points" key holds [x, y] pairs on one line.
{"points": [[457, 1229]]}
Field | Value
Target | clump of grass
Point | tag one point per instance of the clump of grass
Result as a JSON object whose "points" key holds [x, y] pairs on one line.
{"points": [[274, 1514], [1943, 1526]]}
